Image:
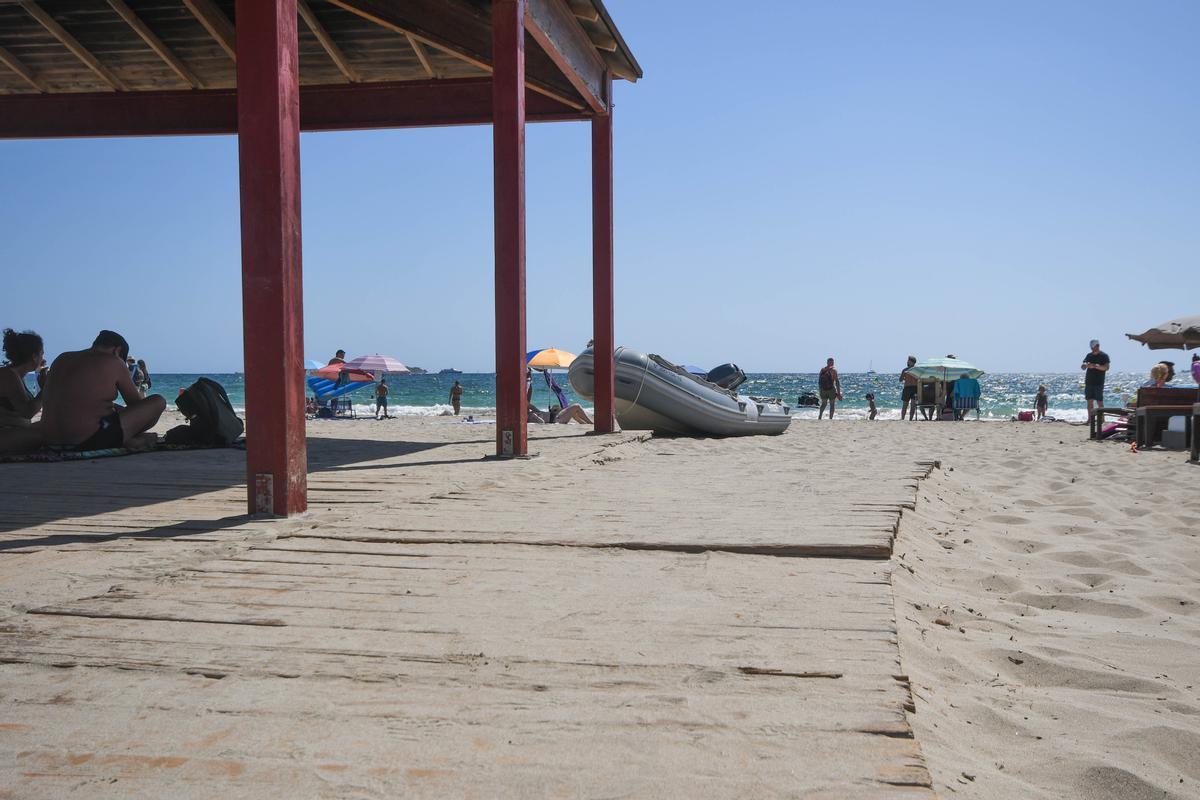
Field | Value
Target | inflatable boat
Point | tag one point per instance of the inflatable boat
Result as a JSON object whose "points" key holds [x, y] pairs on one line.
{"points": [[654, 394]]}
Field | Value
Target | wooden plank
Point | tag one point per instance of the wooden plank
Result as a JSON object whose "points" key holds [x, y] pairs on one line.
{"points": [[15, 64], [508, 164], [208, 14], [335, 53], [154, 43], [71, 43], [272, 289], [555, 28]]}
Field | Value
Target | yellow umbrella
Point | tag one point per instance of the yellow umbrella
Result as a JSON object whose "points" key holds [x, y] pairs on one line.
{"points": [[549, 358]]}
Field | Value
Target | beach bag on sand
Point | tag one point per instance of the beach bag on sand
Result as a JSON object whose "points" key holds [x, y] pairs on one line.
{"points": [[1024, 416], [211, 419]]}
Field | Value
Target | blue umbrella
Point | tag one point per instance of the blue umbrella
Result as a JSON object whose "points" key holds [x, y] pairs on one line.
{"points": [[312, 364]]}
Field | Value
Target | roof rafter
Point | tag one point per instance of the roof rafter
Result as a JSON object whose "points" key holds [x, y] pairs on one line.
{"points": [[148, 36], [71, 43], [458, 28], [216, 23], [555, 28], [335, 53], [422, 56], [15, 64]]}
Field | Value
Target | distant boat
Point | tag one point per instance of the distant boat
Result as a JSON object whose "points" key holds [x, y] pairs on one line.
{"points": [[450, 371]]}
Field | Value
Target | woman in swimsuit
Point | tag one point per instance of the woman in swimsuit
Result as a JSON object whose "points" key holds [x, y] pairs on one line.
{"points": [[24, 353]]}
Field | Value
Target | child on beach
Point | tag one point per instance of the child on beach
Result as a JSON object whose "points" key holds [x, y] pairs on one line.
{"points": [[1041, 401], [872, 412]]}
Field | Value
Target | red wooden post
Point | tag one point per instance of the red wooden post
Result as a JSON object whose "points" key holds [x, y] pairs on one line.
{"points": [[272, 313], [602, 264], [508, 143]]}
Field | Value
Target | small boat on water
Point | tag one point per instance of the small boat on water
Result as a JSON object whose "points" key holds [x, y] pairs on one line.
{"points": [[654, 394]]}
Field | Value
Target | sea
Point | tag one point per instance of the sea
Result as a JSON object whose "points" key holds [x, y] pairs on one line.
{"points": [[1003, 394]]}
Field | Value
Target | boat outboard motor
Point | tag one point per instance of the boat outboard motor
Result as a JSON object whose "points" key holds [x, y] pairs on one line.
{"points": [[727, 376]]}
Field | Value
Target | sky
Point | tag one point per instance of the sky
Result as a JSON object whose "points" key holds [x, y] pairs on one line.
{"points": [[862, 180]]}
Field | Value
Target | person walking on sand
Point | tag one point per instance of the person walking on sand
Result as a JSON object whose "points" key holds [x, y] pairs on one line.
{"points": [[456, 393], [79, 408], [1095, 364], [1040, 402], [381, 395], [830, 386], [908, 394]]}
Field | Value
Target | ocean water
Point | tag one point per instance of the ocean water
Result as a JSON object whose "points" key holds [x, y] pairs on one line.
{"points": [[1003, 394]]}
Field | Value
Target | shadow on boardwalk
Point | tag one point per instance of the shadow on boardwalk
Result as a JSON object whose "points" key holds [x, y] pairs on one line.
{"points": [[82, 501]]}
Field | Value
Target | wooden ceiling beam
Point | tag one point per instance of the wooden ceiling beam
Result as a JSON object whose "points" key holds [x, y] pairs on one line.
{"points": [[422, 56], [331, 48], [15, 64], [216, 23], [555, 28], [360, 106], [154, 43], [584, 10], [458, 28], [71, 43]]}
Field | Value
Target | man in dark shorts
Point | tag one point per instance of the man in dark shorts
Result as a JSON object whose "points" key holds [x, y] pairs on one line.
{"points": [[381, 395], [1095, 364], [830, 387], [909, 394], [79, 399]]}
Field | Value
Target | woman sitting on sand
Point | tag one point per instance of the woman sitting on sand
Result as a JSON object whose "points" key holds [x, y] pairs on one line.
{"points": [[24, 353]]}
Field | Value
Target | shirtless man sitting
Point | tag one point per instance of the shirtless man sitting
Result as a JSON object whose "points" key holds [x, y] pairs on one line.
{"points": [[79, 408]]}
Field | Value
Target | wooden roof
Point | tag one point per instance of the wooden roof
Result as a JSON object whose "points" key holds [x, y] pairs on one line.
{"points": [[65, 46]]}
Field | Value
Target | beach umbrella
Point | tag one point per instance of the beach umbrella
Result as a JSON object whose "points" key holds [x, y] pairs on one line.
{"points": [[310, 363], [377, 363], [944, 369], [1176, 334], [549, 358]]}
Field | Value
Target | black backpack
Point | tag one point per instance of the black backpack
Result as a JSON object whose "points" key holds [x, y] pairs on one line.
{"points": [[212, 421]]}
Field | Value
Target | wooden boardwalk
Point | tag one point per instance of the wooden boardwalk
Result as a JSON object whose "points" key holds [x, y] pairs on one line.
{"points": [[423, 632]]}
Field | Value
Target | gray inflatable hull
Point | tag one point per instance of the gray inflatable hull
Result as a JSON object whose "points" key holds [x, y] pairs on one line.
{"points": [[655, 395]]}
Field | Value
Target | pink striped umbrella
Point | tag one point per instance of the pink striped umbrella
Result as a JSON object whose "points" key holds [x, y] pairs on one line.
{"points": [[377, 363]]}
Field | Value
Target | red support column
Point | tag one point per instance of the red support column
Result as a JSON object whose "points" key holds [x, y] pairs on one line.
{"points": [[602, 265], [268, 122], [508, 142]]}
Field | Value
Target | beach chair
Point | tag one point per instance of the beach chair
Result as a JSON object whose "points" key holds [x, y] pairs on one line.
{"points": [[929, 398], [1156, 405], [334, 395], [966, 397]]}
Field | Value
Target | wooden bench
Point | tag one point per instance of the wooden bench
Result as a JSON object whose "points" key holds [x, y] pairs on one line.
{"points": [[1155, 405]]}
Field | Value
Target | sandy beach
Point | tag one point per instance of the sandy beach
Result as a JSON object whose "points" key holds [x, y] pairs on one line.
{"points": [[986, 610]]}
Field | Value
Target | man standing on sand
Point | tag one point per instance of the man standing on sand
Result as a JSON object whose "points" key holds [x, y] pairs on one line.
{"points": [[381, 395], [456, 393], [909, 393], [79, 407], [830, 386], [1095, 364]]}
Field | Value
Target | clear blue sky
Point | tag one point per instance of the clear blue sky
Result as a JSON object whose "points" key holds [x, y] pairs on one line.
{"points": [[799, 179]]}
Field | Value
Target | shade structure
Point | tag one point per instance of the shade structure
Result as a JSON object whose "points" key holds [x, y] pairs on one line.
{"points": [[945, 369], [549, 358], [376, 363], [1176, 334], [312, 363]]}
